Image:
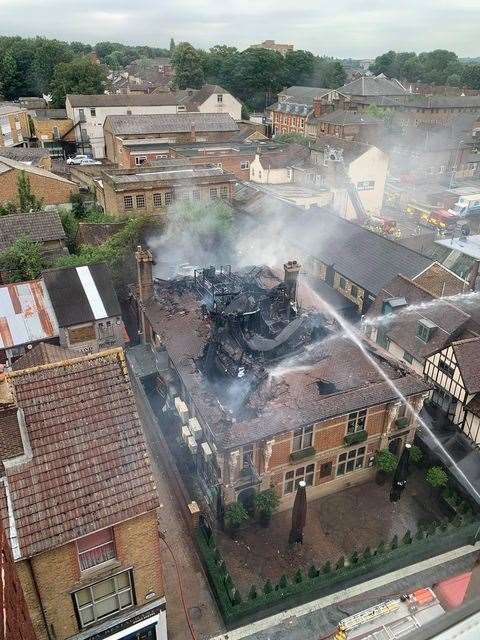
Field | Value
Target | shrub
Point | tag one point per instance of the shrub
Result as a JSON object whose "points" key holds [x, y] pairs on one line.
{"points": [[353, 558], [416, 455], [385, 461], [407, 538], [267, 587], [283, 582], [367, 553], [298, 576], [394, 543], [380, 549], [420, 535], [436, 477], [267, 502], [252, 594], [340, 563], [313, 572], [237, 598], [327, 567], [235, 515]]}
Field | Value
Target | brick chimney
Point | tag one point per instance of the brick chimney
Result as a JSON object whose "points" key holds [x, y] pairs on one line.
{"points": [[291, 270], [193, 133], [144, 273], [319, 107]]}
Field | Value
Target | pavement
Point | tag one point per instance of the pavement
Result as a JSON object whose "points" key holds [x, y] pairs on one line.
{"points": [[318, 620]]}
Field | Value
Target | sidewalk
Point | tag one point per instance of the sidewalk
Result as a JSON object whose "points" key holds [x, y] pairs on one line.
{"points": [[200, 604]]}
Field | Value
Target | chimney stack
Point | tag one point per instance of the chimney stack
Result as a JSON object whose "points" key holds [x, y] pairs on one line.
{"points": [[193, 133], [291, 270], [319, 108], [144, 260]]}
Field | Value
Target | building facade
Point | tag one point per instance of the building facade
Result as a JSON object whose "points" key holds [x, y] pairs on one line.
{"points": [[14, 125]]}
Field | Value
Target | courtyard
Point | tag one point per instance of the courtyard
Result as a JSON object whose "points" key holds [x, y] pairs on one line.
{"points": [[337, 525]]}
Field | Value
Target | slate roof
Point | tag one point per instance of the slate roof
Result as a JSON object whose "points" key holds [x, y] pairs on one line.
{"points": [[9, 107], [81, 294], [6, 164], [351, 149], [303, 95], [415, 100], [194, 98], [89, 468], [166, 98], [284, 158], [345, 116], [170, 123], [467, 354], [364, 257], [24, 154], [42, 226], [373, 86], [44, 353]]}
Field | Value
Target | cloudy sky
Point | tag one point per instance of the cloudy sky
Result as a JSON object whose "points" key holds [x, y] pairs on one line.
{"points": [[339, 28]]}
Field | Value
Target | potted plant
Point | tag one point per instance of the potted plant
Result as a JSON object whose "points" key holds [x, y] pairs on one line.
{"points": [[436, 477], [386, 463], [235, 515], [416, 455], [266, 503]]}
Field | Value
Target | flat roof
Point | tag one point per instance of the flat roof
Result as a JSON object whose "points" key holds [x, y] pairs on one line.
{"points": [[468, 246]]}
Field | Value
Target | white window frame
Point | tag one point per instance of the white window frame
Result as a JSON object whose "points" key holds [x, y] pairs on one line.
{"points": [[302, 438], [139, 160], [292, 477], [357, 420], [91, 605]]}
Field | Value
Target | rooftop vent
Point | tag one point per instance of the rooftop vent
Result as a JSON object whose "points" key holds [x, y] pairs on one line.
{"points": [[393, 304]]}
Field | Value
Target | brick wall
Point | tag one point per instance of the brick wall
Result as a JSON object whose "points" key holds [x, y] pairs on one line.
{"points": [[50, 190], [57, 574]]}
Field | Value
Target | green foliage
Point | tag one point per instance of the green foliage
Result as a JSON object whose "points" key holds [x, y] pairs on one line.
{"points": [[283, 582], [385, 461], [253, 594], [407, 538], [434, 67], [436, 477], [237, 598], [367, 553], [327, 567], [353, 559], [292, 138], [380, 549], [327, 72], [298, 577], [7, 208], [81, 75], [340, 563], [78, 205], [187, 63], [268, 587], [298, 67], [27, 201], [420, 535], [374, 111], [70, 226], [416, 455], [266, 502], [313, 571], [394, 543], [235, 515], [22, 261]]}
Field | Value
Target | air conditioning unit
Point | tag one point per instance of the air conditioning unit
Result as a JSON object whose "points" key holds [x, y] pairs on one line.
{"points": [[192, 445], [206, 450], [195, 428], [182, 409], [186, 434]]}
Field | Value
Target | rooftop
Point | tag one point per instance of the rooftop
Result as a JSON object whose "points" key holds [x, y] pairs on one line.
{"points": [[6, 164], [167, 174], [123, 100], [467, 354], [89, 465], [302, 95], [373, 86], [10, 107], [24, 154], [342, 116], [351, 150], [170, 123], [43, 226]]}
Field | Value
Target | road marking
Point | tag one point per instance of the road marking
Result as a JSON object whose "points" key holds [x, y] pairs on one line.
{"points": [[345, 594]]}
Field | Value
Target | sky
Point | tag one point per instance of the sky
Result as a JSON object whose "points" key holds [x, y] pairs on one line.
{"points": [[344, 28]]}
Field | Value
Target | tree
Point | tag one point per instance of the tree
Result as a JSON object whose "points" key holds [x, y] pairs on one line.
{"points": [[188, 67], [7, 208], [79, 76], [27, 200], [292, 138], [328, 73], [22, 261], [172, 45], [436, 477], [235, 515], [470, 76], [298, 67], [48, 54], [9, 76]]}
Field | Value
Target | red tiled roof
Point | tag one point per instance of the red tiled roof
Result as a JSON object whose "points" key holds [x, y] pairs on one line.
{"points": [[90, 465]]}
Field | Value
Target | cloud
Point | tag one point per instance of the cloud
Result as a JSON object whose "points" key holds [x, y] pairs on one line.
{"points": [[343, 28]]}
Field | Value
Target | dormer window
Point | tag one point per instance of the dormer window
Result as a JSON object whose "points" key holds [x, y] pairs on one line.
{"points": [[425, 329], [393, 304]]}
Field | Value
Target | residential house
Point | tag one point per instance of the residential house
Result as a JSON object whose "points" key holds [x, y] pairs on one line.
{"points": [[211, 98], [346, 124], [276, 168], [147, 69], [14, 125], [122, 132], [412, 323], [273, 46], [85, 541], [44, 227], [86, 307], [54, 131], [150, 190], [454, 373], [49, 187], [246, 434], [14, 617], [28, 155]]}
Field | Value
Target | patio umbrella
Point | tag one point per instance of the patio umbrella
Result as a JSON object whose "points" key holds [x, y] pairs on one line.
{"points": [[299, 514], [400, 476]]}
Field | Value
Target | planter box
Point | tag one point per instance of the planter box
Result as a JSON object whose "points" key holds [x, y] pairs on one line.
{"points": [[401, 423], [303, 453], [354, 438]]}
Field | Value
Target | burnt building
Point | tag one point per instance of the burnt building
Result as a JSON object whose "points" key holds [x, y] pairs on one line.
{"points": [[261, 389]]}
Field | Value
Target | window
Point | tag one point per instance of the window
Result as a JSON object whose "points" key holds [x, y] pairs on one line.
{"points": [[81, 115], [104, 598], [196, 194], [425, 329], [224, 192], [325, 470], [354, 290], [366, 185], [213, 192], [129, 112], [407, 357], [245, 165], [356, 421], [168, 198], [140, 160], [446, 366], [292, 478], [159, 156], [342, 283], [140, 201], [218, 165], [350, 461], [96, 548], [93, 113], [247, 456], [157, 199], [56, 133], [302, 438], [128, 202]]}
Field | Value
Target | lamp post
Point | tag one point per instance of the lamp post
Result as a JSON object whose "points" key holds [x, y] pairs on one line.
{"points": [[399, 481], [299, 514]]}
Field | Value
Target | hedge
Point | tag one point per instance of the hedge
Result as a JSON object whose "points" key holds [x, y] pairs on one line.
{"points": [[300, 587]]}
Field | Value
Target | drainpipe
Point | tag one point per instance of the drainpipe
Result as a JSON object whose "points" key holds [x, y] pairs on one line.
{"points": [[37, 593]]}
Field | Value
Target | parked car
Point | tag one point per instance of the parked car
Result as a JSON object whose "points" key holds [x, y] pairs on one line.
{"points": [[81, 158]]}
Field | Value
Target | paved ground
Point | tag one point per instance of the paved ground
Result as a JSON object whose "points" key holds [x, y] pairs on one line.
{"points": [[318, 620], [201, 606], [336, 525]]}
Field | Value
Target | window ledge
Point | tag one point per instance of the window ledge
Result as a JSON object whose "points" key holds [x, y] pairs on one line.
{"points": [[302, 454], [99, 571], [355, 438]]}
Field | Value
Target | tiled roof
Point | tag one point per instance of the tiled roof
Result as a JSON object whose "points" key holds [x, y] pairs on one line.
{"points": [[89, 466], [24, 154], [42, 227], [303, 95], [170, 123], [11, 444], [43, 353], [9, 107], [6, 164], [96, 233], [440, 281], [194, 98], [467, 354], [165, 98]]}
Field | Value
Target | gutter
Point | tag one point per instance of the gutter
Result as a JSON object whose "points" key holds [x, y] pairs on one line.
{"points": [[40, 603]]}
